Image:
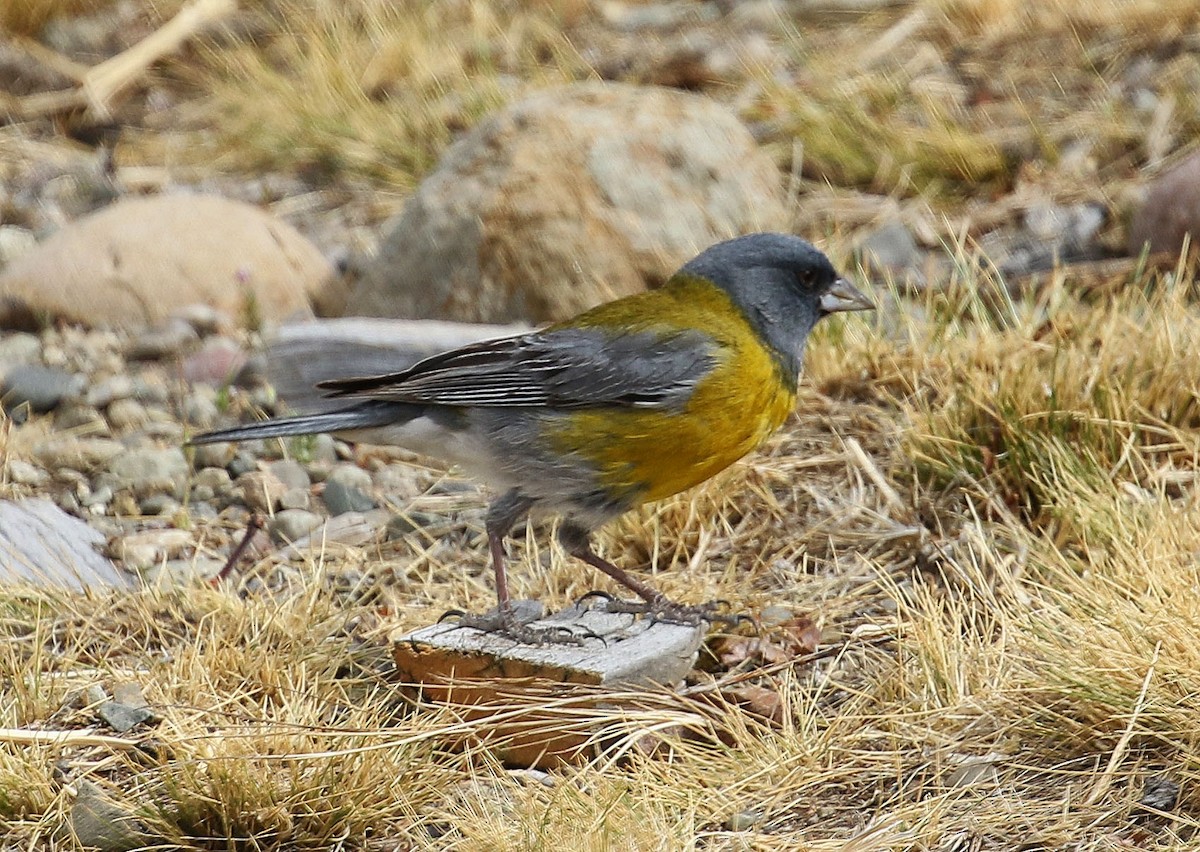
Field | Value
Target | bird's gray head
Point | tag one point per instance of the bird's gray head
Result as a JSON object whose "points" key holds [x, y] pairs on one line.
{"points": [[782, 284]]}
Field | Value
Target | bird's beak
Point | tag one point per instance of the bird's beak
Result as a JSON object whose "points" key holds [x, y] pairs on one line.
{"points": [[844, 296]]}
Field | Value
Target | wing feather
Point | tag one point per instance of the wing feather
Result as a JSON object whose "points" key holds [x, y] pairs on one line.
{"points": [[564, 368]]}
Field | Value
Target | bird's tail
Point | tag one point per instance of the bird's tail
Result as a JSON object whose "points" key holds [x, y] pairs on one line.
{"points": [[360, 416]]}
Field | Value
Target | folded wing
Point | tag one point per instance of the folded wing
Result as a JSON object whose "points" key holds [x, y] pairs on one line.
{"points": [[564, 368]]}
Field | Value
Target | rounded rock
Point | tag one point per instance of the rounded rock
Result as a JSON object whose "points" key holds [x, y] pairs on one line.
{"points": [[573, 197]]}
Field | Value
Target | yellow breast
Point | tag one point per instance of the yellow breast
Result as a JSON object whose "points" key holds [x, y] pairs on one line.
{"points": [[644, 455]]}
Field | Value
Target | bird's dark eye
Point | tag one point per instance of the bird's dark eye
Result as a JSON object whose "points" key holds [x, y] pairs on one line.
{"points": [[806, 277]]}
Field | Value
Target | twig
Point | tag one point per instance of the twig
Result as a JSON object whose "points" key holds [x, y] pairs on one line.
{"points": [[24, 736], [875, 475], [252, 528], [1104, 782]]}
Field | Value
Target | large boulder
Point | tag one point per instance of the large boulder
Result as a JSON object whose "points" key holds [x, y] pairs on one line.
{"points": [[137, 261], [570, 198], [1171, 210]]}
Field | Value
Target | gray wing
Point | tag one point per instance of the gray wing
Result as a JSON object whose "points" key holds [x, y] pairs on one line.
{"points": [[564, 368]]}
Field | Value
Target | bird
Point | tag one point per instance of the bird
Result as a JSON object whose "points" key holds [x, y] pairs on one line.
{"points": [[627, 403]]}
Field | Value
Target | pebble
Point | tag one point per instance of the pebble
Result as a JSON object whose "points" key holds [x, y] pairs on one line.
{"points": [[24, 473], [292, 524], [217, 363], [152, 471], [127, 414], [204, 319], [290, 472], [262, 490], [79, 453], [122, 717], [200, 410], [214, 477], [150, 547], [213, 456], [19, 348], [107, 391], [295, 498], [348, 489], [162, 505], [168, 341], [41, 388]]}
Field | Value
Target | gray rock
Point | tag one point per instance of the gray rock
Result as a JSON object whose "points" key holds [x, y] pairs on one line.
{"points": [[295, 498], [348, 489], [121, 717], [41, 544], [1170, 211], [292, 524], [168, 341], [106, 391], [200, 411], [103, 823], [567, 199], [162, 505], [212, 455], [290, 472], [86, 454], [892, 248], [152, 471], [19, 348], [215, 477], [41, 388]]}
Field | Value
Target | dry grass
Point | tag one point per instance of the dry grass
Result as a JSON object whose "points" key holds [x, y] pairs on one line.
{"points": [[1013, 639], [987, 505]]}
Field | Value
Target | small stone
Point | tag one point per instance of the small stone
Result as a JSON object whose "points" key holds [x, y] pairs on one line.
{"points": [[84, 454], [208, 456], [150, 547], [121, 717], [216, 363], [243, 462], [292, 524], [295, 498], [100, 496], [290, 472], [129, 692], [202, 493], [1160, 793], [200, 411], [161, 505], [106, 391], [205, 319], [262, 490], [41, 388], [181, 572], [324, 449], [167, 341], [20, 348], [745, 820], [410, 522], [24, 473], [127, 414], [151, 471], [348, 489], [101, 822], [215, 477]]}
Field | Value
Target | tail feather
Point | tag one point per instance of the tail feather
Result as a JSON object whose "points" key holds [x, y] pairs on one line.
{"points": [[361, 416]]}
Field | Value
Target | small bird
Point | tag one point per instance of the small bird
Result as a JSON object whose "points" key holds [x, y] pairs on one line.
{"points": [[627, 403]]}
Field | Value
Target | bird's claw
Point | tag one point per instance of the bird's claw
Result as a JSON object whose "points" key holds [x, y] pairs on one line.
{"points": [[515, 623], [667, 611]]}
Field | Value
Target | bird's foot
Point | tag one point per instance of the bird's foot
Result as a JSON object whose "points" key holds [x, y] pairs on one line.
{"points": [[515, 621], [667, 611]]}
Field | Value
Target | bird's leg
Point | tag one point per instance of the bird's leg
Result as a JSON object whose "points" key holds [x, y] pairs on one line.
{"points": [[576, 541], [505, 619]]}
